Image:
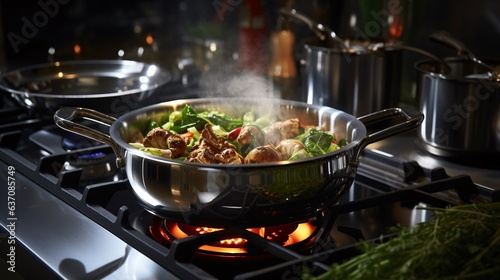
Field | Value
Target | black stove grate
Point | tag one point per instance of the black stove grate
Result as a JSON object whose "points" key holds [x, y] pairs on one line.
{"points": [[111, 203]]}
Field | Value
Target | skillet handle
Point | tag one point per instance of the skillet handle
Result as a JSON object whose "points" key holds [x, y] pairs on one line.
{"points": [[64, 118], [406, 118]]}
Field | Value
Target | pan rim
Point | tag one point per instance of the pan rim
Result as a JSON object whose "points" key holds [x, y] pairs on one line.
{"points": [[161, 78], [360, 133]]}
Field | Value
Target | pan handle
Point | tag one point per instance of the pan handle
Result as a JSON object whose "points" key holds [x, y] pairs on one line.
{"points": [[64, 118], [400, 120]]}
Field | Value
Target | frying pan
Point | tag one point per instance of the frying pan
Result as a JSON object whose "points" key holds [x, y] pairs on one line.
{"points": [[104, 85], [249, 195]]}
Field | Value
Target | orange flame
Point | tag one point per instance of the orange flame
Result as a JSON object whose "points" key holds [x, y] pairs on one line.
{"points": [[237, 245]]}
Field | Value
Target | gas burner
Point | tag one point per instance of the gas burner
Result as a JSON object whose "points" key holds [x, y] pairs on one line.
{"points": [[71, 142], [294, 235], [96, 167]]}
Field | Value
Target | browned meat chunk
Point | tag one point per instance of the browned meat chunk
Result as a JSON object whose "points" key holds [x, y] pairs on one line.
{"points": [[289, 147], [263, 154], [166, 140], [213, 149], [282, 130], [251, 135]]}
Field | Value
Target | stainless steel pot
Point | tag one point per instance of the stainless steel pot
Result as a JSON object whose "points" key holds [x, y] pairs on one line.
{"points": [[245, 194], [358, 80], [112, 86], [461, 108]]}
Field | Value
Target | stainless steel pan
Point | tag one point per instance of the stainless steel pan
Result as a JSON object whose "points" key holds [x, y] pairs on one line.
{"points": [[353, 75], [246, 194], [112, 86], [462, 112]]}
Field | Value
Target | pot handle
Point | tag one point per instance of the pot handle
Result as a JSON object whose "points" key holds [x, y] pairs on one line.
{"points": [[64, 118], [407, 118]]}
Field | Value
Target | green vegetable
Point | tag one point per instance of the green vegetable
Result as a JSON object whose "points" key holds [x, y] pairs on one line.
{"points": [[179, 122], [248, 118], [156, 151], [191, 119], [196, 134], [136, 145], [301, 154], [219, 131], [167, 126], [461, 242], [342, 143], [318, 142], [262, 122], [190, 145], [333, 147], [226, 122], [175, 116], [152, 124]]}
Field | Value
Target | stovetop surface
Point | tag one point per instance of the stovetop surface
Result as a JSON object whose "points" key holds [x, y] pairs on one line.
{"points": [[68, 243], [79, 229], [407, 146]]}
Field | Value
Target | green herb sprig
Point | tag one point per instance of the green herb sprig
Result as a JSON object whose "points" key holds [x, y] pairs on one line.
{"points": [[461, 242]]}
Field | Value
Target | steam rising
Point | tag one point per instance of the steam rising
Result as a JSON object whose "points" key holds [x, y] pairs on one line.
{"points": [[236, 84], [227, 83]]}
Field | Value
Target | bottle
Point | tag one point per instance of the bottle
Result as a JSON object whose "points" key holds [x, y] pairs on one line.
{"points": [[282, 69], [253, 30]]}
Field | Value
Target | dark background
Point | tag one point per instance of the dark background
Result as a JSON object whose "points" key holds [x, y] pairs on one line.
{"points": [[101, 28]]}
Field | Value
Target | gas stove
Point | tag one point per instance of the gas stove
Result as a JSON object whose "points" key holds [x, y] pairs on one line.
{"points": [[75, 216]]}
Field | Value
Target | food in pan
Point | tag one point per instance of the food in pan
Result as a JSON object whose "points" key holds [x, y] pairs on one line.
{"points": [[215, 137]]}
